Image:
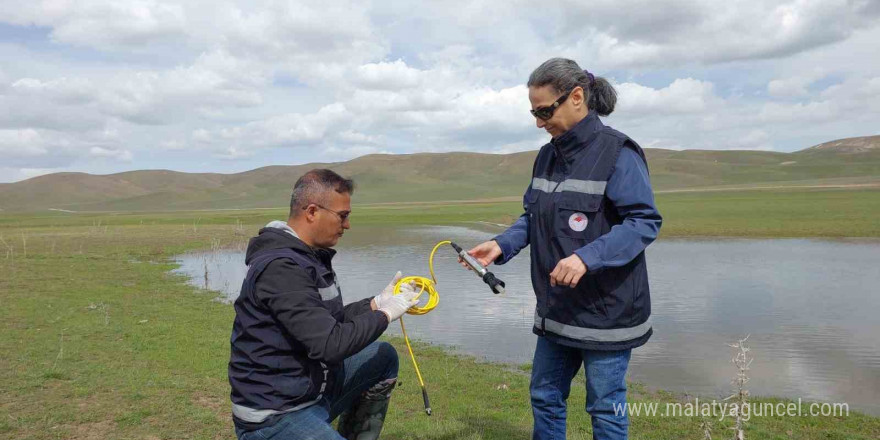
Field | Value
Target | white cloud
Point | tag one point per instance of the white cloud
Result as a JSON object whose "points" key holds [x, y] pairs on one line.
{"points": [[101, 22], [799, 112], [172, 145], [233, 153], [854, 98], [290, 129], [687, 31], [859, 95], [201, 135], [215, 80], [120, 155], [26, 142], [215, 84], [65, 91], [387, 76], [685, 95]]}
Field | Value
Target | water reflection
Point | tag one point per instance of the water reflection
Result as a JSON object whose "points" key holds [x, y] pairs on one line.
{"points": [[809, 306]]}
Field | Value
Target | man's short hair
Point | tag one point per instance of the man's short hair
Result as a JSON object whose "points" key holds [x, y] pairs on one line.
{"points": [[313, 186]]}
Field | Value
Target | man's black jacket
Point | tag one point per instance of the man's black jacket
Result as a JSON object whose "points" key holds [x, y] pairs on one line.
{"points": [[291, 330]]}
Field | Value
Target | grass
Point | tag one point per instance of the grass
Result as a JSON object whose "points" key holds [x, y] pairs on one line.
{"points": [[763, 213], [829, 213], [101, 341]]}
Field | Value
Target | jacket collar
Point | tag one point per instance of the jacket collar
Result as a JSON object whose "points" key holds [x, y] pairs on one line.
{"points": [[578, 137], [323, 255]]}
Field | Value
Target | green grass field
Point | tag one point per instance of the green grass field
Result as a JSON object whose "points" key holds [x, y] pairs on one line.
{"points": [[100, 341]]}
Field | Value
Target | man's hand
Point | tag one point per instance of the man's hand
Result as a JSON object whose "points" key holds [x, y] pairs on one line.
{"points": [[485, 253], [397, 305], [388, 292], [568, 271]]}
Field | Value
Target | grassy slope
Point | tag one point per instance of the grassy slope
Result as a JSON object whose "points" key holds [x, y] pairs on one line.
{"points": [[423, 177], [100, 341]]}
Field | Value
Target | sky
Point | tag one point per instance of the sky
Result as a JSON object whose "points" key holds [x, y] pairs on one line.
{"points": [[105, 86]]}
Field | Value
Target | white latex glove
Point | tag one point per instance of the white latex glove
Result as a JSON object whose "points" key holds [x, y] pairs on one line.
{"points": [[395, 306], [388, 292]]}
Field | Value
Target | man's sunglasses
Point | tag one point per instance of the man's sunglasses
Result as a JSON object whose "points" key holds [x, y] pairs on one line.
{"points": [[343, 216], [545, 113]]}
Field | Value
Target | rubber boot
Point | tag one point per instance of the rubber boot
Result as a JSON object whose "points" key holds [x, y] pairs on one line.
{"points": [[364, 420]]}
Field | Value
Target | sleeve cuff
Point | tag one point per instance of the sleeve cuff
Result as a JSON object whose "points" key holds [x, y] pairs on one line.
{"points": [[590, 256], [505, 250]]}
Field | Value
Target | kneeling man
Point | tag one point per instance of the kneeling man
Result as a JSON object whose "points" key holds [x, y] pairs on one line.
{"points": [[299, 357]]}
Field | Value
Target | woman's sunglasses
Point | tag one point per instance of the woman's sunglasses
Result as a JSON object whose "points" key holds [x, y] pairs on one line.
{"points": [[545, 113]]}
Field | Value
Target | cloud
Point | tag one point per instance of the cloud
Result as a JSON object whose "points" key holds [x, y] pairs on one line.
{"points": [[41, 148], [799, 112], [121, 155], [64, 91], [172, 145], [391, 76], [692, 31], [101, 23], [27, 142], [684, 95], [855, 98], [225, 85], [214, 81], [789, 87], [32, 148], [290, 129], [301, 35], [233, 153]]}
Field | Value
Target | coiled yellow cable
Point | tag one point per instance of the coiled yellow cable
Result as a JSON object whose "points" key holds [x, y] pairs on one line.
{"points": [[429, 286]]}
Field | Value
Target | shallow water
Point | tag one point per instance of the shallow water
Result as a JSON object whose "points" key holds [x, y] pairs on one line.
{"points": [[809, 305]]}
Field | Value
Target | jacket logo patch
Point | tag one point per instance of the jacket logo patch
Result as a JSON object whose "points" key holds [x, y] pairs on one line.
{"points": [[577, 222]]}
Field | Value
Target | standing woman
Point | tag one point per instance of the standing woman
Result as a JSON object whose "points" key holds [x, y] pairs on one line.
{"points": [[589, 215]]}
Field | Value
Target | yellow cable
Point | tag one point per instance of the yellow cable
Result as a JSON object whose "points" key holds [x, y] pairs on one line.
{"points": [[429, 286]]}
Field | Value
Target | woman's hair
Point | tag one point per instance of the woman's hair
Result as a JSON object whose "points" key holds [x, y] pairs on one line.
{"points": [[564, 75]]}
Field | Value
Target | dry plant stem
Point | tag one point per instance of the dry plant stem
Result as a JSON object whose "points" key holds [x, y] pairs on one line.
{"points": [[60, 351], [706, 426], [743, 361], [10, 251]]}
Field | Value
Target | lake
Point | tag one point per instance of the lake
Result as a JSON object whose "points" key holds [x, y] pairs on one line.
{"points": [[810, 307]]}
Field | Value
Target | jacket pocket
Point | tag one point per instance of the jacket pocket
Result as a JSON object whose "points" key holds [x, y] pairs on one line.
{"points": [[574, 214], [294, 387], [616, 293]]}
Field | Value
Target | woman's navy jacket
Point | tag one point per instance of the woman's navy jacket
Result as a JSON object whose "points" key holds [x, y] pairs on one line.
{"points": [[590, 195]]}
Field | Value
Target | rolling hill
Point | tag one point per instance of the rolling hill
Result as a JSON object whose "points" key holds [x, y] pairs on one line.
{"points": [[435, 177]]}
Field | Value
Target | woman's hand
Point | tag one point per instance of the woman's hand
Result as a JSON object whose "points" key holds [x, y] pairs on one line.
{"points": [[485, 253], [568, 271]]}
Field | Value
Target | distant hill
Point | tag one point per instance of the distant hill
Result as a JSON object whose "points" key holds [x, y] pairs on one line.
{"points": [[434, 177], [853, 145]]}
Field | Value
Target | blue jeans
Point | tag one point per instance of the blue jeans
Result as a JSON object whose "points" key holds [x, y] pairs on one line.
{"points": [[554, 367], [375, 363]]}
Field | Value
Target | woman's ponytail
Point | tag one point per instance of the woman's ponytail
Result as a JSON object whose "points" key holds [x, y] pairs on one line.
{"points": [[603, 97]]}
